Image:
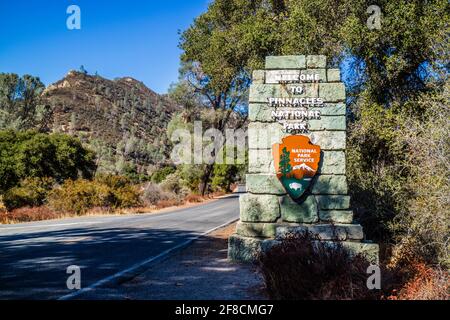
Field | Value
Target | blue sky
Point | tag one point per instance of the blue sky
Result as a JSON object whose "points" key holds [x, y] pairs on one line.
{"points": [[136, 38]]}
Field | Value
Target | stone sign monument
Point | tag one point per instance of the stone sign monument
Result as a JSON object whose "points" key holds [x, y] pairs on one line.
{"points": [[297, 176]]}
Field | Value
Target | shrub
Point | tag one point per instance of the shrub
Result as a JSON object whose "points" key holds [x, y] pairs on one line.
{"points": [[168, 203], [193, 198], [413, 279], [126, 197], [161, 174], [113, 181], [425, 284], [30, 154], [301, 268], [28, 214], [31, 192], [172, 183], [152, 194], [81, 195]]}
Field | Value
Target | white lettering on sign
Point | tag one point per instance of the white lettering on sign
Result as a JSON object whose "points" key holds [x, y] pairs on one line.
{"points": [[294, 102], [290, 76], [292, 112]]}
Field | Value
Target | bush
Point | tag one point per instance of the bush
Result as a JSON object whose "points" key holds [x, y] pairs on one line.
{"points": [[161, 174], [193, 198], [152, 194], [425, 283], [223, 176], [28, 214], [79, 196], [31, 192], [82, 195], [301, 268], [398, 174], [172, 183], [30, 154]]}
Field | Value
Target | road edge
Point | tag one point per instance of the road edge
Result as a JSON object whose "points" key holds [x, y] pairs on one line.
{"points": [[140, 267]]}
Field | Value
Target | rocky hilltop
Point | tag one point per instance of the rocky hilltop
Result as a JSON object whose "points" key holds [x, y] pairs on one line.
{"points": [[122, 120]]}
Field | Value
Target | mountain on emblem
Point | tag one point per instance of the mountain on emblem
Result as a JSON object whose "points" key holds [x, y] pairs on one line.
{"points": [[304, 167], [296, 162]]}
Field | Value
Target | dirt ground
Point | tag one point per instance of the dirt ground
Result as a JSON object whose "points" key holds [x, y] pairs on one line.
{"points": [[198, 272]]}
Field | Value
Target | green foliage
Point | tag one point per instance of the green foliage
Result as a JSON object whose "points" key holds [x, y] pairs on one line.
{"points": [[172, 183], [107, 191], [30, 154], [191, 176], [422, 228], [223, 176], [31, 192], [391, 74], [161, 174], [20, 105]]}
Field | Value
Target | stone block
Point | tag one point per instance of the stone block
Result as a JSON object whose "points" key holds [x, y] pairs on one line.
{"points": [[247, 249], [332, 162], [260, 161], [303, 212], [258, 76], [329, 140], [336, 216], [259, 208], [331, 123], [260, 93], [285, 62], [330, 184], [264, 135], [335, 232], [316, 61], [283, 231], [332, 92], [332, 109], [333, 202], [243, 249], [295, 76], [369, 250], [321, 72], [262, 112], [333, 75], [264, 184], [259, 230]]}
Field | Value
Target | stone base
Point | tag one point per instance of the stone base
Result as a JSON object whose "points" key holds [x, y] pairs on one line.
{"points": [[247, 249]]}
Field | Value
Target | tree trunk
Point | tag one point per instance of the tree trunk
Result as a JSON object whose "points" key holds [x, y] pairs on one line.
{"points": [[205, 179]]}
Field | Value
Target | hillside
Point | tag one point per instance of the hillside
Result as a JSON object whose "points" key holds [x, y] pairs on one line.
{"points": [[122, 120]]}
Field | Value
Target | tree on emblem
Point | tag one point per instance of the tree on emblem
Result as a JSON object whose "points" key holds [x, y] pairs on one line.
{"points": [[285, 166]]}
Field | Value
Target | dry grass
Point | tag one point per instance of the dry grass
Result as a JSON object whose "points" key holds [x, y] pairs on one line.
{"points": [[413, 279], [27, 214], [194, 198]]}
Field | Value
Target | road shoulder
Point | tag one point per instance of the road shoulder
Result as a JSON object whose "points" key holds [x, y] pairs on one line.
{"points": [[198, 272]]}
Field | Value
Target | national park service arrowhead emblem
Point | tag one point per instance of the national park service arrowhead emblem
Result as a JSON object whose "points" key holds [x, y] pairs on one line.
{"points": [[296, 162]]}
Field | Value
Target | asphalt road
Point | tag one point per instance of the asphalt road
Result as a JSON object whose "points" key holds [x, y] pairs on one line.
{"points": [[34, 256]]}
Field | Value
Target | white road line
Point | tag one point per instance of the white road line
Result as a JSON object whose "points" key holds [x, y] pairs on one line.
{"points": [[51, 225], [140, 264]]}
